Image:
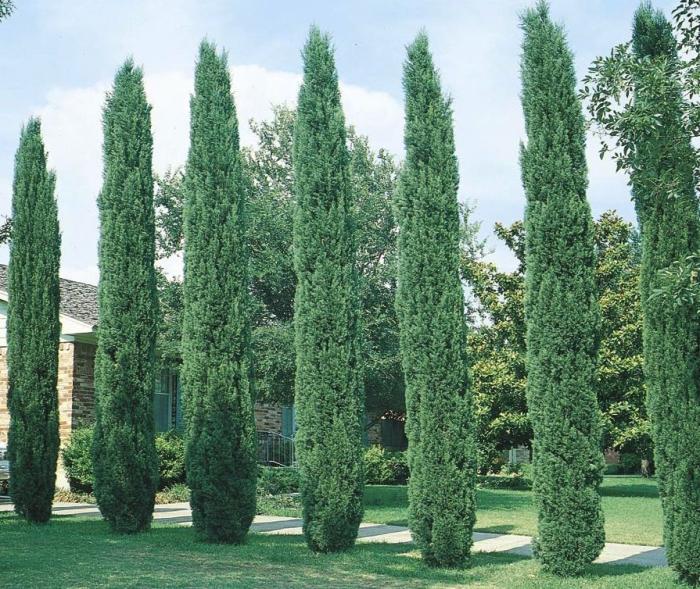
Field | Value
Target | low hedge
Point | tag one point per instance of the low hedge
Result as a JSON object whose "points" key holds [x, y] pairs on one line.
{"points": [[77, 460], [383, 467], [278, 480]]}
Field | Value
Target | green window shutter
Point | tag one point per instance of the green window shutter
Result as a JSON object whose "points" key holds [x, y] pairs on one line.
{"points": [[161, 402], [289, 424], [179, 414]]}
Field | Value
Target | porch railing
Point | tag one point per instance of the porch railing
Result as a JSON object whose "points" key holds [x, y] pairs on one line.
{"points": [[275, 449]]}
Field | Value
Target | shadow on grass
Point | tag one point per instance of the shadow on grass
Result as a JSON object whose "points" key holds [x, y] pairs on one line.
{"points": [[641, 489], [78, 551]]}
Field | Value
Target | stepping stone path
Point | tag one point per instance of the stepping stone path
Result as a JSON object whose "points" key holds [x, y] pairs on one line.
{"points": [[180, 514]]}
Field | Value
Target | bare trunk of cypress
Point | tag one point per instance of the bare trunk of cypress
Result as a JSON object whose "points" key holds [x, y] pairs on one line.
{"points": [[560, 305], [124, 453], [33, 330], [329, 376], [430, 306]]}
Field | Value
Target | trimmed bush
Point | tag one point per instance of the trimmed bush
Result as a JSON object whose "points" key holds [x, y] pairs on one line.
{"points": [[385, 468], [170, 447], [277, 481], [77, 460]]}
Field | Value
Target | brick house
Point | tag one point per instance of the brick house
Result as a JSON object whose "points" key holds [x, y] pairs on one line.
{"points": [[76, 385], [76, 359]]}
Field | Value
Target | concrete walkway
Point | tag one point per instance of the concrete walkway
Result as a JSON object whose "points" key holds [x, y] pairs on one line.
{"points": [[180, 514]]}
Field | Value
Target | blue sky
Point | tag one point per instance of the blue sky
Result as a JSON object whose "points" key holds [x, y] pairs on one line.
{"points": [[57, 58]]}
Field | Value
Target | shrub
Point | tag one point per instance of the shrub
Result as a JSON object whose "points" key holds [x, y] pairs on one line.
{"points": [[178, 493], [377, 470], [170, 447], [385, 468], [630, 463], [77, 460], [277, 481]]}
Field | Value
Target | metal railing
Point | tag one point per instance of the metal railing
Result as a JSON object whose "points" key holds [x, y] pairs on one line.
{"points": [[275, 449]]}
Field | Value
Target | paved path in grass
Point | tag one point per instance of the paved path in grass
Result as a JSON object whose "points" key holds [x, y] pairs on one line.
{"points": [[179, 513]]}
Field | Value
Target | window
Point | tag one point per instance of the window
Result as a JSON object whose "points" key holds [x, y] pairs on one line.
{"points": [[289, 421], [167, 390]]}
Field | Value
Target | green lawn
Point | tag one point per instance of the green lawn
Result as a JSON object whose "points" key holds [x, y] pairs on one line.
{"points": [[631, 503], [76, 552]]}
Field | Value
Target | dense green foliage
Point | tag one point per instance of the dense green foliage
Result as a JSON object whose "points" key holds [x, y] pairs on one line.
{"points": [[126, 465], [561, 311], [642, 96], [216, 353], [33, 330], [270, 220], [78, 463], [328, 382], [497, 345], [497, 351], [620, 382], [372, 176], [433, 330], [668, 216]]}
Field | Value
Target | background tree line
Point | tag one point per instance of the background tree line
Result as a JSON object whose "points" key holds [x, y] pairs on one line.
{"points": [[494, 307]]}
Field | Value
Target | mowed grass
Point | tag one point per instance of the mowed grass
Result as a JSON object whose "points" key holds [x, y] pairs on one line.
{"points": [[80, 552], [631, 505]]}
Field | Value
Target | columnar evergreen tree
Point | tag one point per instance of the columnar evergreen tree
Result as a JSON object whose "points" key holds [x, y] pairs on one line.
{"points": [[328, 381], [221, 448], [667, 206], [125, 460], [433, 330], [33, 330], [560, 305]]}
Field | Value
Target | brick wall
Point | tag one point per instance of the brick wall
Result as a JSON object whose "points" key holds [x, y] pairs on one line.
{"points": [[83, 384], [268, 418], [75, 388]]}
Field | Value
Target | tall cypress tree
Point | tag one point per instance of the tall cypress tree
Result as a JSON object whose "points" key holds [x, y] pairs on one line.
{"points": [[667, 208], [125, 460], [220, 456], [33, 330], [328, 382], [430, 306], [560, 304]]}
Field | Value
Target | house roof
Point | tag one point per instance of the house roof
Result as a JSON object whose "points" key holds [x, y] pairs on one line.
{"points": [[78, 299]]}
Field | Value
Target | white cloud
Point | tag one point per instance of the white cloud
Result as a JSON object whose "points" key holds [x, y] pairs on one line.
{"points": [[72, 127]]}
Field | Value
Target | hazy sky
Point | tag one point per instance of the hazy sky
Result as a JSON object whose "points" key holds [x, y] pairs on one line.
{"points": [[57, 58]]}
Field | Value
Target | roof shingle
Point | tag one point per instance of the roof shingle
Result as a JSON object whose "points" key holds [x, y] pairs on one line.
{"points": [[78, 299]]}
